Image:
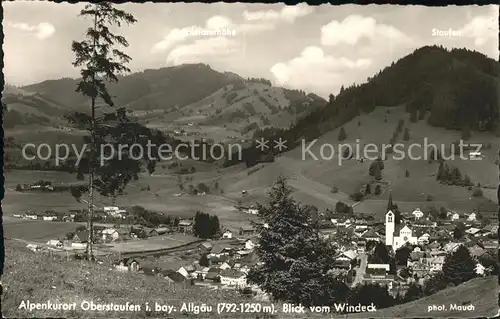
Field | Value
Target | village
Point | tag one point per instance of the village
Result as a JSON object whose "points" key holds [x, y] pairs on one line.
{"points": [[388, 252]]}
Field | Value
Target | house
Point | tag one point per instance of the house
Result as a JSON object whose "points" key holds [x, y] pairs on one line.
{"points": [[436, 263], [110, 234], [241, 253], [249, 245], [152, 233], [185, 226], [253, 210], [420, 269], [138, 232], [454, 216], [385, 267], [424, 223], [473, 231], [378, 279], [205, 246], [225, 265], [491, 229], [79, 245], [175, 277], [227, 234], [434, 245], [490, 244], [471, 216], [342, 263], [55, 243], [475, 156], [477, 251], [163, 230], [423, 239], [127, 264], [213, 274], [218, 260], [201, 272], [50, 218], [187, 271], [480, 269], [451, 247], [81, 236], [417, 214], [34, 248], [232, 277], [350, 254], [247, 230], [370, 235]]}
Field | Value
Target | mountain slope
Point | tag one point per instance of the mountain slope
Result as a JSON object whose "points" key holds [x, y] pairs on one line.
{"points": [[482, 293], [194, 93], [25, 108], [458, 88]]}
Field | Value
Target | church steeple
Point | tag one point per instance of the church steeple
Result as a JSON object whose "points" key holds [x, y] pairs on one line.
{"points": [[390, 205]]}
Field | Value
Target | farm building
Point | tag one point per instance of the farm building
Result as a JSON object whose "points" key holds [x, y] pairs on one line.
{"points": [[55, 243], [232, 277], [110, 234], [81, 236], [186, 226], [127, 264], [227, 234], [34, 248]]}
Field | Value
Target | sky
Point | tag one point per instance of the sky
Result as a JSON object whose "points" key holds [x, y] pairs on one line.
{"points": [[313, 48]]}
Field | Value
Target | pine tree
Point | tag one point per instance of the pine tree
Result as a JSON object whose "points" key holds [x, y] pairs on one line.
{"points": [[100, 62], [295, 260], [204, 262], [368, 189], [413, 115], [435, 283], [440, 172], [342, 135], [369, 293], [459, 266], [406, 134], [466, 133], [380, 254], [414, 292]]}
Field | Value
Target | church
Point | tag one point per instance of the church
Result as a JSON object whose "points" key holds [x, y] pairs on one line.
{"points": [[397, 236]]}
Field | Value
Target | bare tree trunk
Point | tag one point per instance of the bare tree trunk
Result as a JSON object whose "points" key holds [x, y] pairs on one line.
{"points": [[90, 252]]}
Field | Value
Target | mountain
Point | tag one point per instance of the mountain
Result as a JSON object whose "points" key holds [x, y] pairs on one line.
{"points": [[25, 108], [457, 89], [194, 93]]}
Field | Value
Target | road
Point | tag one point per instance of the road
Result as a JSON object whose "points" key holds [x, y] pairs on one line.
{"points": [[360, 272]]}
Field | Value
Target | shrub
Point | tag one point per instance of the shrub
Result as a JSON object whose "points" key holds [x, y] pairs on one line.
{"points": [[478, 192]]}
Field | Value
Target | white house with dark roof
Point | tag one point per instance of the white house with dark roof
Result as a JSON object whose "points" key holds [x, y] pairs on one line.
{"points": [[417, 213]]}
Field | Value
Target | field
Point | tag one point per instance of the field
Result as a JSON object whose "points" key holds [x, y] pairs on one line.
{"points": [[154, 243], [34, 230], [482, 293], [311, 180]]}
